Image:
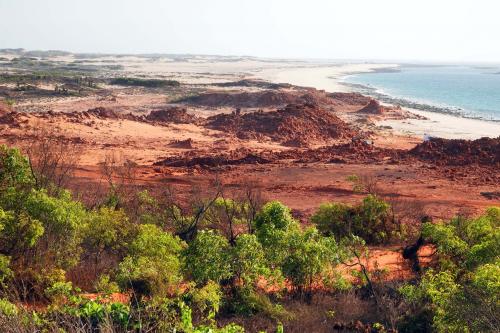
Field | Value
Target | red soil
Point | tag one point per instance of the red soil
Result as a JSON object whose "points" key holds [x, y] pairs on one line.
{"points": [[184, 144], [295, 125], [173, 114]]}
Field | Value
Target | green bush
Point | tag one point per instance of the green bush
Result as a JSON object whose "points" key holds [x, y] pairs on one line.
{"points": [[149, 83], [153, 265], [462, 290], [207, 258], [370, 220], [273, 225], [309, 254]]}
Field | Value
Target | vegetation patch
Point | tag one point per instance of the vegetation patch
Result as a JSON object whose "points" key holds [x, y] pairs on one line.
{"points": [[149, 83]]}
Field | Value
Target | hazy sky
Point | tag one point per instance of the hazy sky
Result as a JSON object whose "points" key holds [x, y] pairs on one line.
{"points": [[448, 30]]}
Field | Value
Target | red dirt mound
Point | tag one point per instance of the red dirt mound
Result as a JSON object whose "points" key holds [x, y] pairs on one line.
{"points": [[98, 112], [184, 144], [268, 98], [373, 107], [356, 151], [235, 157], [173, 114], [12, 119], [296, 124], [350, 98], [7, 116], [104, 113], [4, 108], [484, 151]]}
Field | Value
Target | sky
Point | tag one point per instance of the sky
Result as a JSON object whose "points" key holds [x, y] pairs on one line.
{"points": [[424, 30]]}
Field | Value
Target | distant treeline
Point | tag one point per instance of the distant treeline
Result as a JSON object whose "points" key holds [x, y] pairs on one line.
{"points": [[150, 83]]}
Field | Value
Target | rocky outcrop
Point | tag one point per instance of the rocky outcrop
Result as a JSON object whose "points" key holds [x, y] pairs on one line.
{"points": [[484, 151], [296, 125], [174, 114], [373, 107]]}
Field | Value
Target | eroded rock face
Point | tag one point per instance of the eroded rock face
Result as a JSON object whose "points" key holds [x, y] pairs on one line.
{"points": [[259, 99], [373, 107], [104, 113], [350, 98], [484, 151], [297, 124], [184, 144], [174, 114], [8, 116], [234, 157]]}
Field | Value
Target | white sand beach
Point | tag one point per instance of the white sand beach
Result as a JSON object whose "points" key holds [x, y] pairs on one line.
{"points": [[444, 126], [324, 77]]}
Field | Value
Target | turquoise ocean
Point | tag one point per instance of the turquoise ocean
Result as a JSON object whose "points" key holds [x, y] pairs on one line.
{"points": [[466, 91]]}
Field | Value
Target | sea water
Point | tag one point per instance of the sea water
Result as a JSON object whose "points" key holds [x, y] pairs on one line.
{"points": [[468, 91]]}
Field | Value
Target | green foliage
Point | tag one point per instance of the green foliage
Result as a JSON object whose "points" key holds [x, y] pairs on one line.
{"points": [[153, 265], [467, 243], [150, 83], [5, 272], [370, 220], [208, 299], [107, 231], [149, 211], [273, 224], [487, 280], [106, 286], [462, 291], [357, 184], [41, 234], [62, 219], [207, 258], [226, 215], [59, 291], [247, 301], [309, 254], [14, 169], [7, 308], [334, 219], [249, 260], [18, 231]]}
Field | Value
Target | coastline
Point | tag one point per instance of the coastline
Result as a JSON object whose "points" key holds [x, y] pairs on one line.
{"points": [[440, 122], [322, 77], [443, 125]]}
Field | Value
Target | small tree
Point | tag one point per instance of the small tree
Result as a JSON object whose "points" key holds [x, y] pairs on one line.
{"points": [[153, 265], [309, 255], [207, 258], [371, 220], [107, 231], [273, 225]]}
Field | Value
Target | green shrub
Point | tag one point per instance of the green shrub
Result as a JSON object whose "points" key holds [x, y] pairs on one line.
{"points": [[273, 225], [7, 308], [462, 290], [207, 258], [249, 260], [149, 83], [309, 254], [153, 265], [370, 220]]}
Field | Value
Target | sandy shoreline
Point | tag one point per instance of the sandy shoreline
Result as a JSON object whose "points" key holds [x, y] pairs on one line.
{"points": [[444, 126], [327, 77], [330, 79]]}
